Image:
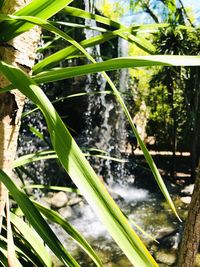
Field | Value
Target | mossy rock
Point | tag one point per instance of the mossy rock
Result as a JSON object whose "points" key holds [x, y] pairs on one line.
{"points": [[165, 257]]}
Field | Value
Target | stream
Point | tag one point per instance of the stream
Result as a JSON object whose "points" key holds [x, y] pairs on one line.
{"points": [[145, 209]]}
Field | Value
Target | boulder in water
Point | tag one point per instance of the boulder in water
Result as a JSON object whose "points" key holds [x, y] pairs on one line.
{"points": [[186, 199], [57, 200], [188, 190], [65, 212], [165, 257]]}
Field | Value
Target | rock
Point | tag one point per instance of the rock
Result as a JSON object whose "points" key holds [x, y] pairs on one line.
{"points": [[165, 257], [186, 200], [65, 212], [74, 201], [165, 231], [50, 194], [168, 238], [57, 200], [188, 190]]}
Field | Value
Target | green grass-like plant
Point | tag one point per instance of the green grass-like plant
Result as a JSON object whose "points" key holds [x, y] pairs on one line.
{"points": [[65, 148]]}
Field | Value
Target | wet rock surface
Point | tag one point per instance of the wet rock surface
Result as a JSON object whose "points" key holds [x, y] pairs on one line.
{"points": [[65, 212], [56, 200], [74, 200], [186, 200], [166, 258], [188, 190], [169, 238]]}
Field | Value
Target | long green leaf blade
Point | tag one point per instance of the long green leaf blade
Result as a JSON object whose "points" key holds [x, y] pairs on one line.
{"points": [[42, 9], [41, 155], [114, 64], [22, 247], [62, 54], [53, 59], [56, 218], [81, 172], [76, 12], [36, 244], [45, 155], [37, 221], [141, 42]]}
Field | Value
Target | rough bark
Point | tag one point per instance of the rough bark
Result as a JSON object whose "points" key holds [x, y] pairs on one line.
{"points": [[195, 132], [21, 52], [191, 236]]}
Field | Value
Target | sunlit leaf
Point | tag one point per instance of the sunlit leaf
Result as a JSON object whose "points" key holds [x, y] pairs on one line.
{"points": [[48, 154], [37, 221], [114, 64], [72, 232], [36, 244], [42, 9], [81, 172]]}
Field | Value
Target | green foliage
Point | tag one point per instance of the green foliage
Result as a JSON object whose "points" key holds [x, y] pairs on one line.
{"points": [[1, 3], [81, 172], [172, 95], [43, 10], [172, 90], [37, 221], [114, 10], [114, 64]]}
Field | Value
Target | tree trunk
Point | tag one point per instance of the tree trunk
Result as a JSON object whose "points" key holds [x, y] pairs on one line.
{"points": [[195, 131], [21, 52], [191, 237]]}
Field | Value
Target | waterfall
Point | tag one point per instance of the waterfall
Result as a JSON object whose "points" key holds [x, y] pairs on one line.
{"points": [[100, 119], [105, 122], [123, 86], [98, 130]]}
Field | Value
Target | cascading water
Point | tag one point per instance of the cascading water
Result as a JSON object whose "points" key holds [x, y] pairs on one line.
{"points": [[98, 129], [34, 171], [123, 86], [124, 172], [105, 123]]}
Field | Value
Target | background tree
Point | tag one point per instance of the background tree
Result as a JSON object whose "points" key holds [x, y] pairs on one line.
{"points": [[174, 97], [180, 91]]}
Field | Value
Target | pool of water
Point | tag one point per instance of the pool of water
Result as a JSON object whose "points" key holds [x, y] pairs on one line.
{"points": [[146, 209]]}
